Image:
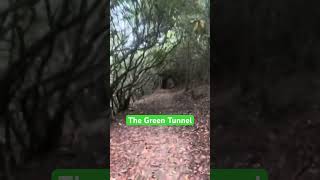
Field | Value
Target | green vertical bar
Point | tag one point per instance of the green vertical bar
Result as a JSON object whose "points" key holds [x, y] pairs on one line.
{"points": [[238, 174], [160, 120], [81, 174]]}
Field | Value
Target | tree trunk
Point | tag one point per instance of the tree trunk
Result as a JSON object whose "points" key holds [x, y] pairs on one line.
{"points": [[188, 69]]}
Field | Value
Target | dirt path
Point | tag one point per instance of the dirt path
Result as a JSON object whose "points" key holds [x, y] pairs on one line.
{"points": [[163, 152]]}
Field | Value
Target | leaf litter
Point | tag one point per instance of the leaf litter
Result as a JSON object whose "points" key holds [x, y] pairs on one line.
{"points": [[164, 153]]}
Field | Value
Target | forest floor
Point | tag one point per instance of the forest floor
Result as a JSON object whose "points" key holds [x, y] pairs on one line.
{"points": [[286, 145], [163, 152], [88, 152]]}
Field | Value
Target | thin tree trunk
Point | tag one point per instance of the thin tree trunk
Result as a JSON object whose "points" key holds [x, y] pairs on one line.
{"points": [[189, 60]]}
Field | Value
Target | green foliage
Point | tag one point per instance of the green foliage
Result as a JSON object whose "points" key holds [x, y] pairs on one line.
{"points": [[192, 55], [146, 35]]}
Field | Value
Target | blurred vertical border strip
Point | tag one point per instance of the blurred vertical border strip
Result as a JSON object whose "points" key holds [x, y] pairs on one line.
{"points": [[238, 174], [81, 174]]}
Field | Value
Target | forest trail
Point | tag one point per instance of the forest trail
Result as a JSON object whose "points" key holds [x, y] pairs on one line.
{"points": [[163, 152]]}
